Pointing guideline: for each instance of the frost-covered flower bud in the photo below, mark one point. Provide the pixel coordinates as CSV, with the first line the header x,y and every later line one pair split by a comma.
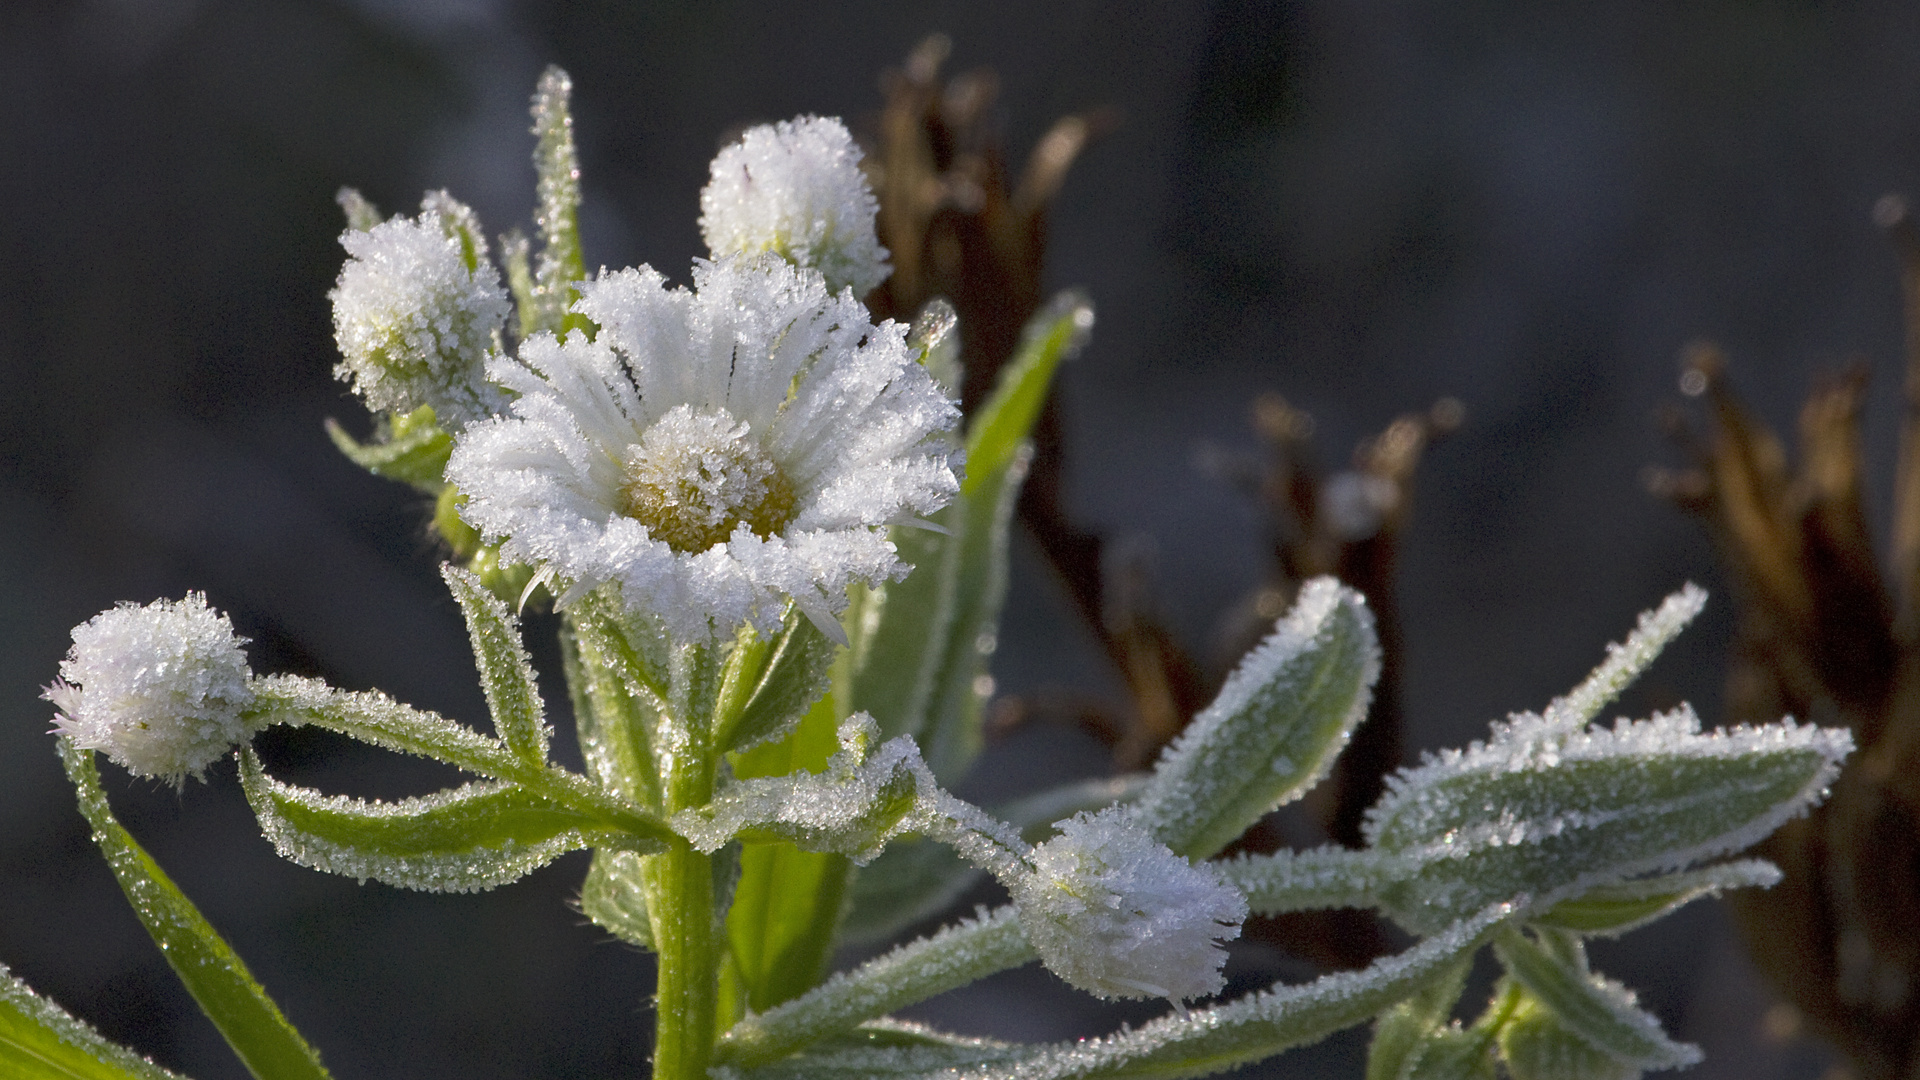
x,y
795,188
159,688
416,312
1119,915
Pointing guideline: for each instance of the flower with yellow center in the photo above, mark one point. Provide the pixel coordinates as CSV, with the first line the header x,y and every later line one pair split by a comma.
x,y
713,451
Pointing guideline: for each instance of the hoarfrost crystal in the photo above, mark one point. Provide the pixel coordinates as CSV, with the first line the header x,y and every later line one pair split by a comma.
x,y
416,311
160,688
712,451
1121,916
795,188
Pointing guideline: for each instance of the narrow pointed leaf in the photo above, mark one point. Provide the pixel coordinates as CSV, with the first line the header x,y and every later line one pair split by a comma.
x,y
41,1041
557,211
922,646
1274,729
780,929
1599,1010
1317,879
794,675
465,839
1200,1042
957,955
207,966
506,671
1612,910
1598,807
1627,660
881,1049
414,452
1537,1045
616,727
614,897
1400,1033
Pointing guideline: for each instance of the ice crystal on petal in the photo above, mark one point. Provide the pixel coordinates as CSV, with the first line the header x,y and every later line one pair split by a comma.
x,y
712,451
416,312
159,688
795,188
1119,915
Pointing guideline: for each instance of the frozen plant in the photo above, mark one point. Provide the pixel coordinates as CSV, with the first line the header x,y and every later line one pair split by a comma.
x,y
775,559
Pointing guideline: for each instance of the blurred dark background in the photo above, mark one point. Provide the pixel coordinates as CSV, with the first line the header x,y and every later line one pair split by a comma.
x,y
1529,206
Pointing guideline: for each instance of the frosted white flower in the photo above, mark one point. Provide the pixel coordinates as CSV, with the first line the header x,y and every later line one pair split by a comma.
x,y
795,188
1121,916
416,312
159,688
713,451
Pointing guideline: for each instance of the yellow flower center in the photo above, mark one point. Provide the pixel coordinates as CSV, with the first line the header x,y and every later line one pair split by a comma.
x,y
694,477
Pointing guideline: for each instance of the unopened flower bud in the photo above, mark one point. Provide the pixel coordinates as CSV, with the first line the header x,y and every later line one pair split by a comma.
x,y
416,312
160,688
1121,916
795,188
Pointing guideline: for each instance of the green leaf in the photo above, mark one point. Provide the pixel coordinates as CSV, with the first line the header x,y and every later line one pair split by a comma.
x,y
461,840
615,728
1555,816
207,966
1598,1010
1275,728
957,955
506,671
1400,1033
414,451
1612,910
1537,1045
995,433
888,1048
921,646
41,1041
793,675
1316,879
780,929
615,898
557,212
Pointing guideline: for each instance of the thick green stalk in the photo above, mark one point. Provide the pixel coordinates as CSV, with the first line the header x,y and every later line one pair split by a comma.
x,y
680,904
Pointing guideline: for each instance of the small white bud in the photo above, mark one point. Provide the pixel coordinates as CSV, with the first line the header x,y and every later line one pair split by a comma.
x,y
795,188
1121,916
416,312
159,688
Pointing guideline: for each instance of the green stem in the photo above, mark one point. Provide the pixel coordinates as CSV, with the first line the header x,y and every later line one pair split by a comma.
x,y
680,898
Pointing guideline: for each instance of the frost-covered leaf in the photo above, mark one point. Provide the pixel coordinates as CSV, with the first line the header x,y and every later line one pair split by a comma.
x,y
1600,1011
614,897
1402,1033
880,1049
557,212
615,727
1199,1042
1451,1053
1536,1045
1323,877
853,808
41,1041
790,678
1275,727
207,966
957,955
780,927
1627,660
1612,910
461,840
921,646
506,671
377,719
1555,817
415,450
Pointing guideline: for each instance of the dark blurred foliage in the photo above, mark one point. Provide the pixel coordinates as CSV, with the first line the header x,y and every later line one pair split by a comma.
x,y
1365,208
